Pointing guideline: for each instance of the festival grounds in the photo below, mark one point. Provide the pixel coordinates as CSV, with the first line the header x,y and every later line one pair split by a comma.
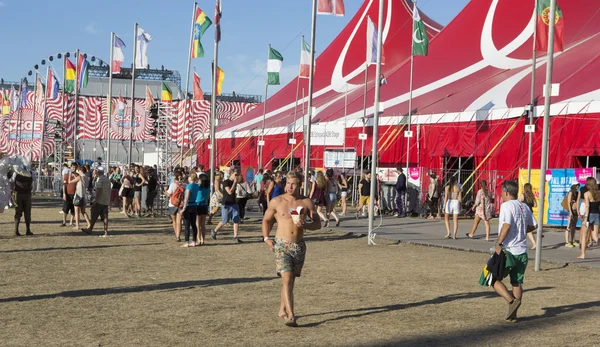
x,y
138,288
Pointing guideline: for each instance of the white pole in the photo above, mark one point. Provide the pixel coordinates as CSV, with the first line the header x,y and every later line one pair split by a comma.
x,y
33,120
310,92
76,104
262,137
64,100
109,98
375,125
213,108
412,65
43,133
545,137
532,107
132,116
296,111
187,86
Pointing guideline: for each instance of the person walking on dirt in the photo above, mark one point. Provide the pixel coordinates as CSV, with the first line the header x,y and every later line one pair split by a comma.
x,y
400,189
101,201
515,221
22,185
229,210
290,211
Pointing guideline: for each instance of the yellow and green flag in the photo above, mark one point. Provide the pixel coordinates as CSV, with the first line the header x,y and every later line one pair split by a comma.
x,y
166,94
201,23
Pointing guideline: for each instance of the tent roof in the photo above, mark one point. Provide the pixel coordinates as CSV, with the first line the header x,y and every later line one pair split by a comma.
x,y
480,62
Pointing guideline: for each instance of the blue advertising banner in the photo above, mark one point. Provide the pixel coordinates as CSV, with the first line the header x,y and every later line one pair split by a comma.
x,y
559,185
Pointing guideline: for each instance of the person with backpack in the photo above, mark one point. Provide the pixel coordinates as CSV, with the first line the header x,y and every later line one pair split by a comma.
x,y
175,193
189,210
230,209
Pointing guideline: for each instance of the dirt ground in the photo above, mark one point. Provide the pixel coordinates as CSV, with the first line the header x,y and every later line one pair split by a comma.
x,y
138,288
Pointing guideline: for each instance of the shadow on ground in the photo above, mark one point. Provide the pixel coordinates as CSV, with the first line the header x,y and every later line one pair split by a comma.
x,y
138,289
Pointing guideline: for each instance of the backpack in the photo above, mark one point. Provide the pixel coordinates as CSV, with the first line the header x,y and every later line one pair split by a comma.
x,y
565,203
177,196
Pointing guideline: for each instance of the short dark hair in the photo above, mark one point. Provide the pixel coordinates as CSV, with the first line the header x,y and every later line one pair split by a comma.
x,y
511,187
204,181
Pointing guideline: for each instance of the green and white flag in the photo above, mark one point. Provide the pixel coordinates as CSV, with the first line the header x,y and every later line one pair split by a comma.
x,y
420,38
273,67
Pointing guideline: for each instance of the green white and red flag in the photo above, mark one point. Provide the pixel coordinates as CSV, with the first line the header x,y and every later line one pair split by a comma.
x,y
543,27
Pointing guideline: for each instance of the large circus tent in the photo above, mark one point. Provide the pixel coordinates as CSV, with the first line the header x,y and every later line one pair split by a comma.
x,y
470,93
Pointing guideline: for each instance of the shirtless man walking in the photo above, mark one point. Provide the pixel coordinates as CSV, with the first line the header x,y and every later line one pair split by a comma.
x,y
289,246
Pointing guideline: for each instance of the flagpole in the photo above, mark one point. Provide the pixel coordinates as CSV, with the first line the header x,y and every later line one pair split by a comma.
x,y
345,125
262,137
545,136
412,65
109,98
374,153
531,104
310,93
213,106
20,121
364,120
44,115
187,85
132,117
76,104
35,87
64,99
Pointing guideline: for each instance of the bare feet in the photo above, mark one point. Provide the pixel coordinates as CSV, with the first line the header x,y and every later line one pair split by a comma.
x,y
581,257
185,245
469,235
291,322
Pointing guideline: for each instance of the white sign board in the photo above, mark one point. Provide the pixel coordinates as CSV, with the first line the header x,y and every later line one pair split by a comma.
x,y
408,133
362,136
261,143
530,128
327,134
555,89
340,159
292,141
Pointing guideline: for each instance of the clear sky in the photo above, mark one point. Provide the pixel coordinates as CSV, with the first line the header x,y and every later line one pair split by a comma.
x,y
35,29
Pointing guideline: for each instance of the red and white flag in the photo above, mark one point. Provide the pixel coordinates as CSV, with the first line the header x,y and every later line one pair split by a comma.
x,y
118,55
331,7
304,60
198,93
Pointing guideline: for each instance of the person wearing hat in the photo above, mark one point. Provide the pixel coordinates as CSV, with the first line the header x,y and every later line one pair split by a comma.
x,y
100,204
22,184
400,188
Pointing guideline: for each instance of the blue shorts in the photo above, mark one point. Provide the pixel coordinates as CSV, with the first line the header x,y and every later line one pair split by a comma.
x,y
230,212
594,219
331,198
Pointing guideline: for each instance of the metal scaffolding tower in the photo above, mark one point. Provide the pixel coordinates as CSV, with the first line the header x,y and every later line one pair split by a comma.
x,y
163,115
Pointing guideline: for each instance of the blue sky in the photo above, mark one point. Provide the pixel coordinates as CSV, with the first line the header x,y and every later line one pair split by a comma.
x,y
35,29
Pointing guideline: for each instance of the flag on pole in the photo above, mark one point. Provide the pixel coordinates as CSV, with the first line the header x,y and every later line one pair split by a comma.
x,y
167,94
198,93
118,56
543,27
70,76
23,93
201,23
420,38
274,66
372,44
149,98
121,106
39,89
5,102
218,15
83,72
52,84
331,7
220,79
141,59
14,105
304,60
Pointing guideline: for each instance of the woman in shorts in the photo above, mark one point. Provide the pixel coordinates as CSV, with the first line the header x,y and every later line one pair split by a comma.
x,y
592,220
452,201
483,210
343,185
528,199
331,198
202,199
81,193
318,195
215,198
127,193
140,181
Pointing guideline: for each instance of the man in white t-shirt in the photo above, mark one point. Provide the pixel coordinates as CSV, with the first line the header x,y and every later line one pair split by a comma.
x,y
515,221
174,210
